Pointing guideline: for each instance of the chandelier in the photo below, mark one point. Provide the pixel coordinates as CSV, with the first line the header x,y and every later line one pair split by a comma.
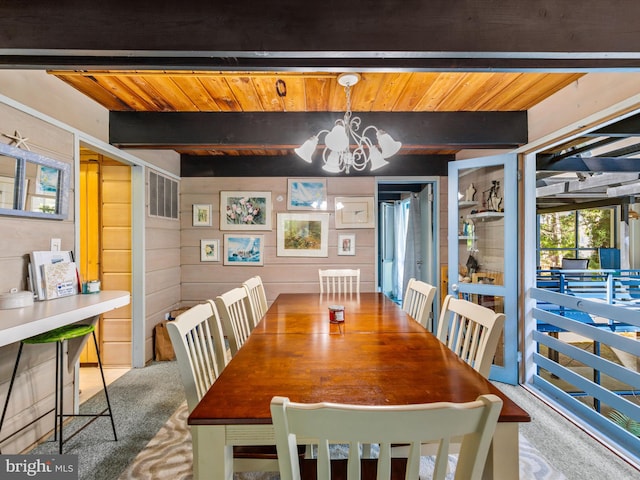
x,y
346,148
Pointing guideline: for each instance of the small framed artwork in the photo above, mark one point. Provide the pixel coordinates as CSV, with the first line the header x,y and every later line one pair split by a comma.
x,y
307,194
245,210
303,234
209,250
355,212
347,244
246,250
201,215
47,180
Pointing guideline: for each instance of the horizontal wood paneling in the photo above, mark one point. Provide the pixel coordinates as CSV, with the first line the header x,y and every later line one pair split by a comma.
x,y
203,280
34,387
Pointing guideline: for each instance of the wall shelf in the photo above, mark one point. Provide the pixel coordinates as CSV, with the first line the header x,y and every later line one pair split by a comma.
x,y
486,216
467,204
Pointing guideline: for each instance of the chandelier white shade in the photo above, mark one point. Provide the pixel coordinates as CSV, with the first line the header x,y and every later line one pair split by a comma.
x,y
345,148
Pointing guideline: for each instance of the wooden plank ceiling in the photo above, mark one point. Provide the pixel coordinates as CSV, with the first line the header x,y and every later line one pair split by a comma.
x,y
215,91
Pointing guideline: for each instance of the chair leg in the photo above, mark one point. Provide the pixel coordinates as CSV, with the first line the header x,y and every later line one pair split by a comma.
x,y
104,385
13,378
60,387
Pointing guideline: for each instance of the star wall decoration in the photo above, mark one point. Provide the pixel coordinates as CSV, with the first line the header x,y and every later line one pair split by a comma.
x,y
18,139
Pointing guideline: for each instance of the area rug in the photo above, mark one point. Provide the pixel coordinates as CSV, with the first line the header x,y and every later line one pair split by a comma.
x,y
168,456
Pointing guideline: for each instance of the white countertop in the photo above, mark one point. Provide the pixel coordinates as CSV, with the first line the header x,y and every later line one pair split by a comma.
x,y
16,324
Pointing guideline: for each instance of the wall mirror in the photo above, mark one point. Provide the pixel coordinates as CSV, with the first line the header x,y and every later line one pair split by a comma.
x,y
32,185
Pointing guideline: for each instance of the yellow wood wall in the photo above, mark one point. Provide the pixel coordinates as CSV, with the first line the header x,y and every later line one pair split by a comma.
x,y
105,239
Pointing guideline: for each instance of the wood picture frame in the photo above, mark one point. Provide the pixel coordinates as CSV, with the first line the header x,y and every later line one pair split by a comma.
x,y
355,212
201,215
245,210
347,244
307,194
303,235
210,250
244,250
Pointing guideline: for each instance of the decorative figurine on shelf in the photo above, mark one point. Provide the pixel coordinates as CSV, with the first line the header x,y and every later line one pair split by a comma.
x,y
494,202
470,193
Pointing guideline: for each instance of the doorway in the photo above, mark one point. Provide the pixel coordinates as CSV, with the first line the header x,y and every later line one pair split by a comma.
x,y
105,255
407,238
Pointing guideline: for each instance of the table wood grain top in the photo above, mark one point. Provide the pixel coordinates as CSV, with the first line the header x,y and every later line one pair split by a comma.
x,y
379,356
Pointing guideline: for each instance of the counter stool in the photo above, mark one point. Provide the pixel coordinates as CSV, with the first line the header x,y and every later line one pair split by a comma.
x,y
59,336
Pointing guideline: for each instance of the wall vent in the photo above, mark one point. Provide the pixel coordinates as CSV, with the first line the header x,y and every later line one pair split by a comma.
x,y
163,196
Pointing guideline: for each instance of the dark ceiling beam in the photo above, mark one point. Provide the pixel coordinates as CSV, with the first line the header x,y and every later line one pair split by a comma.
x,y
485,34
290,129
590,164
293,166
627,127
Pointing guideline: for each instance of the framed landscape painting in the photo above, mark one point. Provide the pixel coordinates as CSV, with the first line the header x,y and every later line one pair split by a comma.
x,y
303,234
307,194
245,210
246,250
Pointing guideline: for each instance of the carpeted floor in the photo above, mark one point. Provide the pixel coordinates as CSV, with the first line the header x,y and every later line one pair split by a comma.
x,y
154,441
142,400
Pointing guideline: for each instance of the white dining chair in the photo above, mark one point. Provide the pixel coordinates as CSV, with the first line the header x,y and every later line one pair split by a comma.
x,y
257,299
236,321
339,280
354,425
471,331
196,336
418,301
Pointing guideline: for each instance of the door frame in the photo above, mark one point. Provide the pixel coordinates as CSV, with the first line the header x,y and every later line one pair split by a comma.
x,y
435,182
138,312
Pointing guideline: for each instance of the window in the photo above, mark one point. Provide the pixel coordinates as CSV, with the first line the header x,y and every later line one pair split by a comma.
x,y
575,234
163,196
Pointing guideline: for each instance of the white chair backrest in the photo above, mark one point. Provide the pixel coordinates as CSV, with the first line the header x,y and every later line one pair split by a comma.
x,y
196,336
257,299
344,280
471,331
418,300
236,322
386,425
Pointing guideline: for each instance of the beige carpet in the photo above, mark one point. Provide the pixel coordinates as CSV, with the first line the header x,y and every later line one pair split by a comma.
x,y
168,456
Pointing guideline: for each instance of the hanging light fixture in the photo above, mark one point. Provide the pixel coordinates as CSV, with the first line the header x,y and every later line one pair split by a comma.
x,y
346,148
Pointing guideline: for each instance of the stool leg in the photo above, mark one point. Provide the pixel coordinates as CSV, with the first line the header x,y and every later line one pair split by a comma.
x,y
13,378
60,368
104,385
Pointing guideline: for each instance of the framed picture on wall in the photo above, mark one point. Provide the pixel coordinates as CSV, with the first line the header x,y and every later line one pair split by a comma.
x,y
245,210
303,234
209,250
307,194
355,212
245,250
201,215
347,244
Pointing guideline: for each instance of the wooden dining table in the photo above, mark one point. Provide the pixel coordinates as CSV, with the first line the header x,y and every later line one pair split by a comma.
x,y
377,356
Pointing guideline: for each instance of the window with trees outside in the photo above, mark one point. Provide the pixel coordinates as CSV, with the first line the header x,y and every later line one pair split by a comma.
x,y
575,234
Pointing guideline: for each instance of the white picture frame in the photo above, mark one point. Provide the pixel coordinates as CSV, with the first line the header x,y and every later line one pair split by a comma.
x,y
347,244
201,215
210,250
303,235
245,210
307,194
354,212
243,250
